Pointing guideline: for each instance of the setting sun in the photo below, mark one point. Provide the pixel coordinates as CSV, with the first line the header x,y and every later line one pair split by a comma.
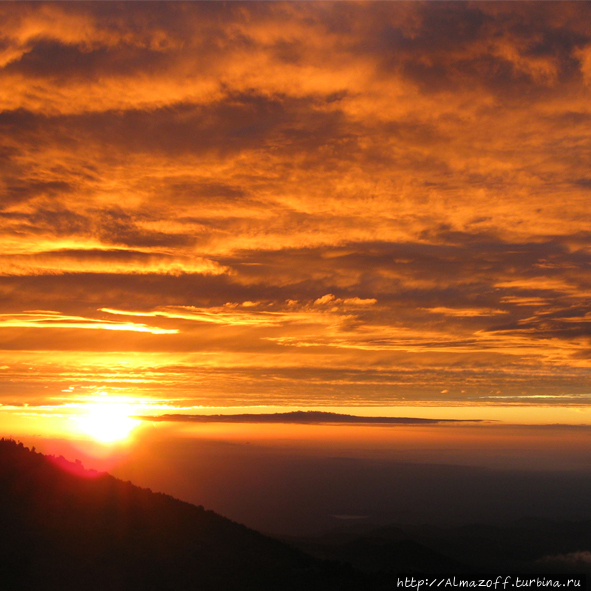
x,y
108,422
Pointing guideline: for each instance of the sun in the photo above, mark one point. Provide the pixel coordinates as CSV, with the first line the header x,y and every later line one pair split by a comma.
x,y
107,422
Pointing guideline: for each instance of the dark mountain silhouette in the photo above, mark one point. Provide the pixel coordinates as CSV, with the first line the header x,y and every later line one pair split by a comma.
x,y
301,417
64,527
379,555
527,546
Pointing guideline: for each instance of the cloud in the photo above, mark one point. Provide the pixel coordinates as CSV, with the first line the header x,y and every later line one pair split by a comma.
x,y
465,312
245,314
51,319
353,187
298,417
105,261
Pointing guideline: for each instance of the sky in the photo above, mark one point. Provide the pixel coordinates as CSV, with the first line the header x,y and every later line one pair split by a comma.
x,y
296,205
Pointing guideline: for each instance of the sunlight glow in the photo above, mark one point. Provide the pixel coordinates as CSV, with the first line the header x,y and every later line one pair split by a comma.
x,y
108,422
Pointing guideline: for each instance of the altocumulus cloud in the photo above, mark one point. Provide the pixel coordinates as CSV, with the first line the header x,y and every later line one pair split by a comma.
x,y
355,201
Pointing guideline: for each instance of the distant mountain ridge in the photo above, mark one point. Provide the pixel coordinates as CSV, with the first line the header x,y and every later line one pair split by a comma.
x,y
64,527
526,546
300,417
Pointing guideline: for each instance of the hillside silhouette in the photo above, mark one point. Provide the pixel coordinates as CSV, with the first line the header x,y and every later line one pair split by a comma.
x,y
64,527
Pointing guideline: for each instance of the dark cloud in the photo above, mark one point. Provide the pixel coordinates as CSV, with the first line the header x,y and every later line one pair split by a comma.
x,y
18,191
298,417
118,227
58,221
196,191
66,62
111,226
236,123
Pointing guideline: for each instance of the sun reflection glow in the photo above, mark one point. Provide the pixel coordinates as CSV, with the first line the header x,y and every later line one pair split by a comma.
x,y
108,422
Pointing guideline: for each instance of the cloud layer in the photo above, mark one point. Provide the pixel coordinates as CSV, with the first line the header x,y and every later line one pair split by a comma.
x,y
304,202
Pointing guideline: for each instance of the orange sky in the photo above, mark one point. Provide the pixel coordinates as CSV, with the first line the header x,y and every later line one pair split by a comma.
x,y
303,204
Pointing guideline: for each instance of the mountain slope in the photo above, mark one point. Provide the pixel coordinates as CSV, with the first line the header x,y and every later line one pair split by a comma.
x,y
63,527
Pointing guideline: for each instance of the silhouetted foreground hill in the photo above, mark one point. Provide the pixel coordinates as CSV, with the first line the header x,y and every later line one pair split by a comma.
x,y
63,527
